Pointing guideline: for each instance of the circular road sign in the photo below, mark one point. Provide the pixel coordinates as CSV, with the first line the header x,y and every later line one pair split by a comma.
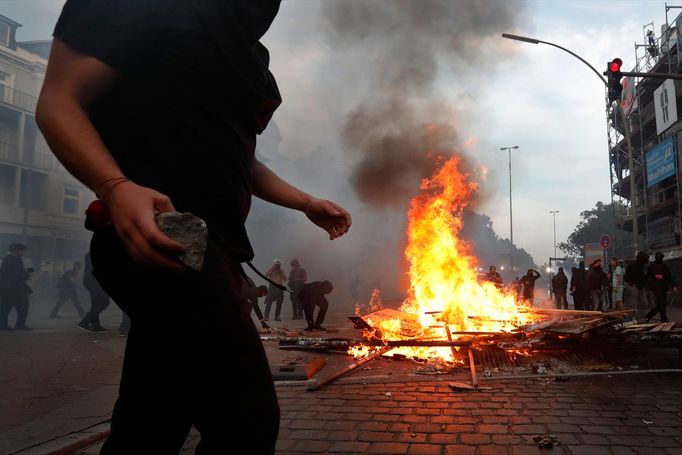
x,y
605,241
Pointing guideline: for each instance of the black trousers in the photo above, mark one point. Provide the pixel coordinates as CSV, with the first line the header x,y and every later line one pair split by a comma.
x,y
99,301
296,306
276,295
64,295
309,310
193,357
19,303
660,301
560,298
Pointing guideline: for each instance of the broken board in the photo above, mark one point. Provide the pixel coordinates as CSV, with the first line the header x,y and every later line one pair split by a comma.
x,y
467,386
297,368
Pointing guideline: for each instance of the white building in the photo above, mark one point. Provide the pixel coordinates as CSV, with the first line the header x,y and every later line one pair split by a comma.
x,y
41,204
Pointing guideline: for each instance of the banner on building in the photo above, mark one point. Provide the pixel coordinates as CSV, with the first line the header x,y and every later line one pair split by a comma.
x,y
660,162
665,102
629,101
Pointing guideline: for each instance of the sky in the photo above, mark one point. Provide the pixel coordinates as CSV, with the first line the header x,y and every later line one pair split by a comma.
x,y
360,80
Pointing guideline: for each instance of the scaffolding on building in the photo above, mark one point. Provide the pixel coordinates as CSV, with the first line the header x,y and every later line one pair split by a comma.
x,y
658,206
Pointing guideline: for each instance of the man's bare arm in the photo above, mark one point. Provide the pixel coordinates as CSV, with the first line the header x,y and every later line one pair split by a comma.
x,y
270,187
73,81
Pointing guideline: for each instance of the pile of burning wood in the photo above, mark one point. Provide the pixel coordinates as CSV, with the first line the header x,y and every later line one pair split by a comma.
x,y
553,330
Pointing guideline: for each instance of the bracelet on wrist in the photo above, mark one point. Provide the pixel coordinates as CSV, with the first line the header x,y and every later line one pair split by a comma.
x,y
106,190
99,188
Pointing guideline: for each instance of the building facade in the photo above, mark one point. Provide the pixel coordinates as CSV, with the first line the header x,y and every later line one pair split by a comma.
x,y
650,106
41,204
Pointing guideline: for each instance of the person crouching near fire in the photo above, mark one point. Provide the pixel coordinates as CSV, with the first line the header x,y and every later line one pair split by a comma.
x,y
312,295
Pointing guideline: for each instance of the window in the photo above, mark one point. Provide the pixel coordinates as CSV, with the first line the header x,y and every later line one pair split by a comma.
x,y
5,86
4,34
71,201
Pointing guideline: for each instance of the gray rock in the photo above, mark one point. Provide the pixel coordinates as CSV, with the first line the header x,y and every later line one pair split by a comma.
x,y
189,230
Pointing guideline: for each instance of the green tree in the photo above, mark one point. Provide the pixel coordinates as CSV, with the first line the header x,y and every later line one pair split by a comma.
x,y
593,224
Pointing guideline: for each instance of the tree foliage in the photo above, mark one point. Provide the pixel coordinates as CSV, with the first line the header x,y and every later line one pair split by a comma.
x,y
489,248
593,224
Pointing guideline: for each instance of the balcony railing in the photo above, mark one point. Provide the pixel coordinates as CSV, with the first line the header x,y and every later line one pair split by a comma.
x,y
18,99
45,161
9,152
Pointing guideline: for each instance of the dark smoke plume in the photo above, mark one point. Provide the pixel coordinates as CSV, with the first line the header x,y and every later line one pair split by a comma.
x,y
405,45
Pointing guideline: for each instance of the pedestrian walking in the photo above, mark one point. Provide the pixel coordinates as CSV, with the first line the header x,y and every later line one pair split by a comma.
x,y
596,281
579,287
659,280
528,283
14,290
559,287
99,299
617,283
275,274
313,295
124,325
155,105
68,291
297,279
636,280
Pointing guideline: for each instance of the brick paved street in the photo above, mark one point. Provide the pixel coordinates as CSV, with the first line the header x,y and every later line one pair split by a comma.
x,y
58,381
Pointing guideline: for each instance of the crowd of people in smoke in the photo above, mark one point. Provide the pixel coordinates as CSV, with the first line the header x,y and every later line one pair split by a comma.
x,y
304,296
15,293
642,285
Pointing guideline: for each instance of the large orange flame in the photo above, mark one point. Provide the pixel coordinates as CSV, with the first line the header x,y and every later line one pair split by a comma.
x,y
445,290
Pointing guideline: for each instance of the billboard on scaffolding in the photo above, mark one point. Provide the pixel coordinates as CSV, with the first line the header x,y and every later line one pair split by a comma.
x,y
629,101
665,102
660,162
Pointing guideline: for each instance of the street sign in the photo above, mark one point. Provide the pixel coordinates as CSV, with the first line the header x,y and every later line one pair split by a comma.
x,y
605,241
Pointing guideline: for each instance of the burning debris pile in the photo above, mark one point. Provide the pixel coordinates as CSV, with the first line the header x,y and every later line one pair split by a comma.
x,y
452,317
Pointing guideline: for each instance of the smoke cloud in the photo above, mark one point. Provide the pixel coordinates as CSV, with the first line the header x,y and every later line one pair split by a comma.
x,y
401,122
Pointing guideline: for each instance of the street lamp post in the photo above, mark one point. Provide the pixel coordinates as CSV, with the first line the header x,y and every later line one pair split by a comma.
x,y
554,212
511,224
626,129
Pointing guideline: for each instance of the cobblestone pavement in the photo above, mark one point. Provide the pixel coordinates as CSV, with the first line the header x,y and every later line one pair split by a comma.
x,y
57,381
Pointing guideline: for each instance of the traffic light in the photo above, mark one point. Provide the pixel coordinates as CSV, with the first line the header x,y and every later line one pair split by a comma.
x,y
614,77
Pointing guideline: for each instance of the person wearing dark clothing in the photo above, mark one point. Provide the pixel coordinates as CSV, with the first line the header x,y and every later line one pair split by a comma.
x,y
636,280
276,275
517,287
579,287
313,295
297,279
596,281
68,291
99,299
155,105
528,282
14,291
250,295
124,325
494,276
659,279
559,287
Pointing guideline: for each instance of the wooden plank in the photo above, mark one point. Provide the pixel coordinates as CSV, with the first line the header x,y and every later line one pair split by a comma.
x,y
558,312
472,366
663,327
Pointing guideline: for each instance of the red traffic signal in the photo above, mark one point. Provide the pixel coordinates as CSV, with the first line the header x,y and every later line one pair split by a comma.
x,y
615,88
615,65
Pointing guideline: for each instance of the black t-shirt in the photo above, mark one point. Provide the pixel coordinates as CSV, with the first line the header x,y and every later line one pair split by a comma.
x,y
194,90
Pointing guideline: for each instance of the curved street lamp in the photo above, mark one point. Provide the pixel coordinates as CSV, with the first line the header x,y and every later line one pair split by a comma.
x,y
626,130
